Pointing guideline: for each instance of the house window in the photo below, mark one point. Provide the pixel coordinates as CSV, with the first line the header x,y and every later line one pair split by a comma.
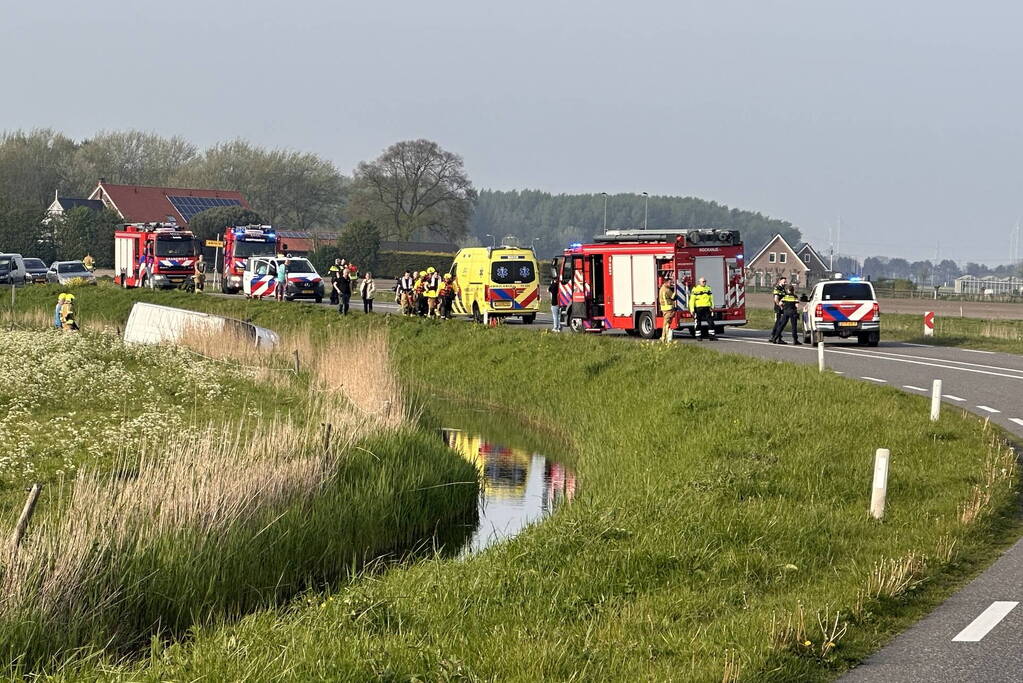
x,y
770,257
806,258
781,257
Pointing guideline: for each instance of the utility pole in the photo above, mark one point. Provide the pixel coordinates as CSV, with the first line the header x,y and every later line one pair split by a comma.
x,y
605,210
646,207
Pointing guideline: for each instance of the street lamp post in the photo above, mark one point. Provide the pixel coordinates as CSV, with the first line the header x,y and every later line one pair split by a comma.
x,y
493,241
605,210
533,242
646,207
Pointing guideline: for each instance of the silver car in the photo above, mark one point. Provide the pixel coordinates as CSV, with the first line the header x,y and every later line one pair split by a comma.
x,y
62,272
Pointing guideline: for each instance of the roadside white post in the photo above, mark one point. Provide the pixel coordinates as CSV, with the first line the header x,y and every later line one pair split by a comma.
x,y
880,489
935,400
820,356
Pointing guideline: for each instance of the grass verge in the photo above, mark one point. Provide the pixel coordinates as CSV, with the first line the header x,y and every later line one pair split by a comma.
x,y
720,531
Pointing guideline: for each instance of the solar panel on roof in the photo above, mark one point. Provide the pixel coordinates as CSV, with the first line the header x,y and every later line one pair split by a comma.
x,y
189,206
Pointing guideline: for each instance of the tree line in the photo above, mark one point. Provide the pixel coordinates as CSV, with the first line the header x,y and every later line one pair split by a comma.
x,y
921,273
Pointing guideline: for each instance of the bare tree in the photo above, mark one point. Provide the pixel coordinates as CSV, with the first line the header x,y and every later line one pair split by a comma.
x,y
413,188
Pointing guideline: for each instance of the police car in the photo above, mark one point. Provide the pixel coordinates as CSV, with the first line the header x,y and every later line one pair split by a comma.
x,y
842,308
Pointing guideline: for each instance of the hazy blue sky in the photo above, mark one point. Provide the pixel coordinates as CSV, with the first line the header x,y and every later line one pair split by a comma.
x,y
902,117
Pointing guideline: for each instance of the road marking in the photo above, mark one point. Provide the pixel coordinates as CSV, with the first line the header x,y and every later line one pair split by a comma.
x,y
950,397
987,620
1016,420
838,372
926,346
989,409
977,351
910,386
875,379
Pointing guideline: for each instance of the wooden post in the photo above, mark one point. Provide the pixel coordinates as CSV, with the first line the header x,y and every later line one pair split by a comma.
x,y
879,491
298,365
26,515
328,429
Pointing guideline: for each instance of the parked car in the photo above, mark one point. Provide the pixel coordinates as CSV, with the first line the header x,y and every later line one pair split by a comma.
x,y
35,271
12,269
62,272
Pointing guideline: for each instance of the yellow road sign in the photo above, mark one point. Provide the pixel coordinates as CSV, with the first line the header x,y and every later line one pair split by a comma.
x,y
214,243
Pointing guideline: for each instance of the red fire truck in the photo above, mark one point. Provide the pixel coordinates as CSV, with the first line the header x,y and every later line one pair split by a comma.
x,y
241,243
613,284
154,255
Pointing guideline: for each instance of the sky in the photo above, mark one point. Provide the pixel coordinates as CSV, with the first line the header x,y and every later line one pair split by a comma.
x,y
899,120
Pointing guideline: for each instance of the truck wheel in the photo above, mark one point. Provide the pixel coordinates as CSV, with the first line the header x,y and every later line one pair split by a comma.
x,y
477,317
645,325
529,319
576,325
319,299
873,339
862,339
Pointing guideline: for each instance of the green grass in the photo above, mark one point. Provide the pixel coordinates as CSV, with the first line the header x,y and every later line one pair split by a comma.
x,y
720,498
967,333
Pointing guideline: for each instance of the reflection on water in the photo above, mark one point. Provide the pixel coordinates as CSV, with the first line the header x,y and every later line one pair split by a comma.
x,y
518,487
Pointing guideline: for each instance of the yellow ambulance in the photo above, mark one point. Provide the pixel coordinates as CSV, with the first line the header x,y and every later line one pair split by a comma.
x,y
497,282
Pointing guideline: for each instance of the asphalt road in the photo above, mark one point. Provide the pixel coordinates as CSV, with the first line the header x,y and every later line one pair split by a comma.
x,y
977,634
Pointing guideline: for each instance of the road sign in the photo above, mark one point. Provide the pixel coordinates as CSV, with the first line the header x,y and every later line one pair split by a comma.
x,y
215,243
929,324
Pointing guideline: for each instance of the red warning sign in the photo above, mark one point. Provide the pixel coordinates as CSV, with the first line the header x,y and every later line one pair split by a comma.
x,y
929,323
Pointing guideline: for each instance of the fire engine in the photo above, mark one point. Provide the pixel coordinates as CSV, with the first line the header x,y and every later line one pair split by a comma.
x,y
240,244
153,255
613,284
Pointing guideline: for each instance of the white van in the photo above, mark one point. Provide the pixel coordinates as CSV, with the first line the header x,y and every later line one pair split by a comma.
x,y
12,270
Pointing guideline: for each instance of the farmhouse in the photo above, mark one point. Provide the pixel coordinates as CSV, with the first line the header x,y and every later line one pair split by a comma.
x,y
775,260
176,205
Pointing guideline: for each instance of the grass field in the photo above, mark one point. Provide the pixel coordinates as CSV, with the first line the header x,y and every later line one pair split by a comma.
x,y
184,490
714,536
969,333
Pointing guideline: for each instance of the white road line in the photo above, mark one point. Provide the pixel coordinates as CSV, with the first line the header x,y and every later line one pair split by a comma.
x,y
910,386
926,346
1016,420
875,379
838,372
989,409
950,397
977,351
987,620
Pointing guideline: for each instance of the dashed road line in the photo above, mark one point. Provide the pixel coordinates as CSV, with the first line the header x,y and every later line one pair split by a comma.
x,y
910,386
991,353
989,409
987,620
875,379
950,397
1016,420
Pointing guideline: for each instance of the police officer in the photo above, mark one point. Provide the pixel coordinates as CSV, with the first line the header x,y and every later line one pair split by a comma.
x,y
789,311
335,272
666,301
776,294
701,301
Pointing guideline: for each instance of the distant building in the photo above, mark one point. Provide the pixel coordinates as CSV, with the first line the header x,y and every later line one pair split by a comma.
x,y
973,284
813,260
61,205
303,242
177,205
775,260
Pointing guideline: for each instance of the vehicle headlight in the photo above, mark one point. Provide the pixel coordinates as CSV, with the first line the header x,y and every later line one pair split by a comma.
x,y
236,278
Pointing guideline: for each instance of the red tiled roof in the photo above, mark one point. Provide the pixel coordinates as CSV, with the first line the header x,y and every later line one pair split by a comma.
x,y
144,204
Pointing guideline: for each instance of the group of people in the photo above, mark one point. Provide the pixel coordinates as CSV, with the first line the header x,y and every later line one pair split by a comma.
x,y
344,281
426,293
700,303
64,318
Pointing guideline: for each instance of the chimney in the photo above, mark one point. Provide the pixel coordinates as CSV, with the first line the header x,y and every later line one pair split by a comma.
x,y
102,180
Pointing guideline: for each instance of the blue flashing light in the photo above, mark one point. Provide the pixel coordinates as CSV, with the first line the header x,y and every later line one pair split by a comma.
x,y
740,257
855,278
575,246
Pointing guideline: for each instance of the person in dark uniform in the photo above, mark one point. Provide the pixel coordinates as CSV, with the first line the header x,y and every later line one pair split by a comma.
x,y
776,295
789,312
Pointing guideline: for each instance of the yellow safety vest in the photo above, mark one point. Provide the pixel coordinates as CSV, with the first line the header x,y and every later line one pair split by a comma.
x,y
667,298
701,297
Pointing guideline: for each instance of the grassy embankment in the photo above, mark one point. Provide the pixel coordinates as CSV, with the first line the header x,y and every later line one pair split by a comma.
x,y
720,530
188,491
967,333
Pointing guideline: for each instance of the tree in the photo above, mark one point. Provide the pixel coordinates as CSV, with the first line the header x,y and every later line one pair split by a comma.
x,y
210,224
22,231
359,243
293,189
81,230
414,188
132,157
33,165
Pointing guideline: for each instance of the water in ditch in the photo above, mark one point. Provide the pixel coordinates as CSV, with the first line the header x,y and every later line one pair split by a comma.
x,y
520,485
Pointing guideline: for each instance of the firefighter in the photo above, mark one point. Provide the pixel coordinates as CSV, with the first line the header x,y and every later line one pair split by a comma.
x,y
419,289
67,314
89,262
446,295
701,301
666,298
199,275
431,291
789,312
405,285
